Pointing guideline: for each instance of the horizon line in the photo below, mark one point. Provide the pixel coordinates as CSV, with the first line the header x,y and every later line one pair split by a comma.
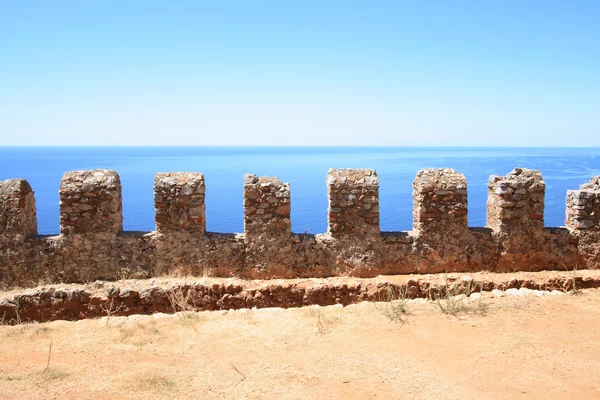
x,y
291,146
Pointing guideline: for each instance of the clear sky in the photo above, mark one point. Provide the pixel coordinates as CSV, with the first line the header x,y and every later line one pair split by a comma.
x,y
325,72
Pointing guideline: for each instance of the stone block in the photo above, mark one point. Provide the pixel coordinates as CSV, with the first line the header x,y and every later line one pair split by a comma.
x,y
90,202
583,206
516,202
179,202
353,203
440,202
17,209
266,207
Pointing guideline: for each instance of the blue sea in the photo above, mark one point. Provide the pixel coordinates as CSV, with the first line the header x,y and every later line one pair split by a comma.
x,y
304,167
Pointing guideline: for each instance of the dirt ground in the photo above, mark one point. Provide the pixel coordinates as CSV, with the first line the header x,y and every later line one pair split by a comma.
x,y
499,347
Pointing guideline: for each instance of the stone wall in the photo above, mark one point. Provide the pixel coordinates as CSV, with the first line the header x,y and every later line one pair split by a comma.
x,y
440,216
583,219
91,244
90,202
353,203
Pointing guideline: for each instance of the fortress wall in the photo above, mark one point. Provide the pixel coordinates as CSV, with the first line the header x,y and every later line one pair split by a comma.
x,y
90,202
267,227
179,202
17,210
583,220
440,218
515,212
353,203
92,246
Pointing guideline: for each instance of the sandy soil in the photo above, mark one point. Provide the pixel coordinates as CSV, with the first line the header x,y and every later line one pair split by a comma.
x,y
508,347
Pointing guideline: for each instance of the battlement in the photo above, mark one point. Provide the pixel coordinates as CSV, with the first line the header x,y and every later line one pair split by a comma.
x,y
92,245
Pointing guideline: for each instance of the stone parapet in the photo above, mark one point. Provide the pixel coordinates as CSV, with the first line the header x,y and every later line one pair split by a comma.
x,y
17,209
440,218
583,206
92,246
440,202
90,202
515,212
516,201
179,202
267,226
353,203
266,207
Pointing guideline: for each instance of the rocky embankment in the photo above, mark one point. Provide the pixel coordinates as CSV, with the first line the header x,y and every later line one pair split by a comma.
x,y
170,295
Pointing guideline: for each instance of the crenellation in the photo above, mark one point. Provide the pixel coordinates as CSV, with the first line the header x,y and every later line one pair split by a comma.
x,y
179,202
583,220
515,212
583,206
516,201
267,207
353,203
267,226
90,202
92,246
17,209
440,218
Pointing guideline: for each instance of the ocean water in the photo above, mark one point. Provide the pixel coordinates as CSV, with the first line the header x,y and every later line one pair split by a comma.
x,y
304,167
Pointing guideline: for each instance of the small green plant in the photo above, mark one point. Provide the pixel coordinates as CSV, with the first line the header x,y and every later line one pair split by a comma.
x,y
395,305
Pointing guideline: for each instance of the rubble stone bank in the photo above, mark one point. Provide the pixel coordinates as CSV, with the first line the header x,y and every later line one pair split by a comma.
x,y
171,295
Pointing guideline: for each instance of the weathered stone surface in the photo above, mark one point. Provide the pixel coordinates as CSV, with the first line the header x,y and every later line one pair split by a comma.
x,y
440,218
266,207
515,212
91,245
179,202
583,219
90,202
75,302
267,226
17,209
353,203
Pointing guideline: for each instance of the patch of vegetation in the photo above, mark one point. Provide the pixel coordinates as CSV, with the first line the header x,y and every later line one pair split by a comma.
x,y
184,305
395,306
139,334
453,299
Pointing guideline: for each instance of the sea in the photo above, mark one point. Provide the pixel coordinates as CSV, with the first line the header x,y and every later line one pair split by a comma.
x,y
306,170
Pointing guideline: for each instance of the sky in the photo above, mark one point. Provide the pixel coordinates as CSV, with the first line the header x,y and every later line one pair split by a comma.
x,y
359,73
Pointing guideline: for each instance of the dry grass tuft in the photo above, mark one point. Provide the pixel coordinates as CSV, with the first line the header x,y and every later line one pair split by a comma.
x,y
184,305
324,323
140,333
153,381
453,299
395,306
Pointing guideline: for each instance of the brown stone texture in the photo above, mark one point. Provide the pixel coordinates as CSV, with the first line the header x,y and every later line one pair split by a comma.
x,y
440,218
353,203
515,212
92,246
76,301
583,219
266,206
90,202
267,225
17,209
179,202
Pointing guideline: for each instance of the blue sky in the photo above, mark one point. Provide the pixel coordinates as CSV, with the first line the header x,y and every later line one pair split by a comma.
x,y
459,73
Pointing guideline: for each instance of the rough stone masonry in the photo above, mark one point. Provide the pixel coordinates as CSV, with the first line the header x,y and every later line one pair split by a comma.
x,y
92,245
